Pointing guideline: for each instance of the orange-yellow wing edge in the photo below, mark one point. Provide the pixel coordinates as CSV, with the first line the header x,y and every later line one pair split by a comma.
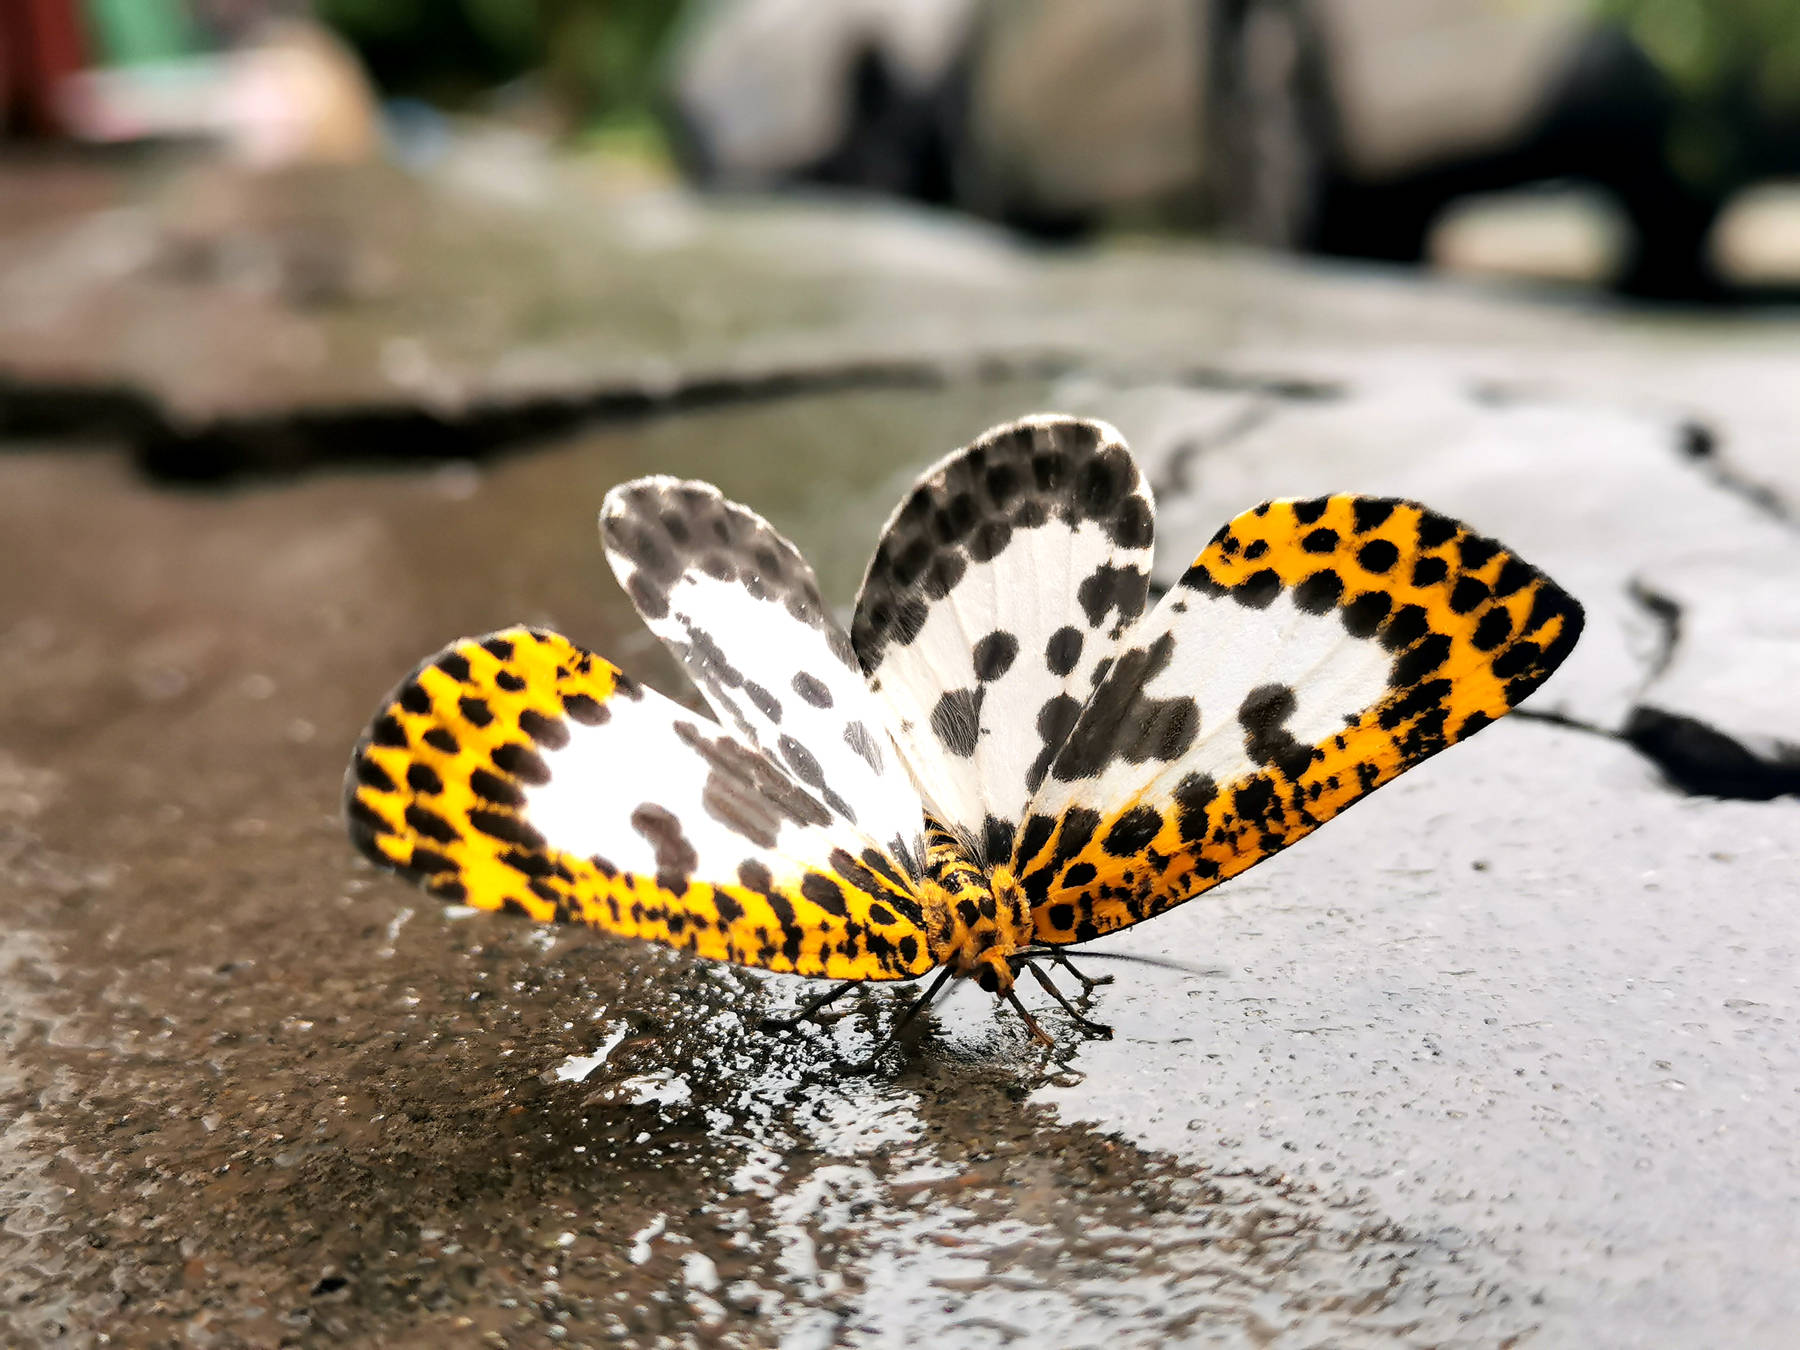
x,y
518,772
1315,650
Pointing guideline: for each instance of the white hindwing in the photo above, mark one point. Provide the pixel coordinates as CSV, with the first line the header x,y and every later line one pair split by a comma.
x,y
998,590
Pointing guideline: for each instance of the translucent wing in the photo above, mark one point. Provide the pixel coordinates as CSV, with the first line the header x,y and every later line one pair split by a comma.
x,y
997,590
740,607
519,772
1314,650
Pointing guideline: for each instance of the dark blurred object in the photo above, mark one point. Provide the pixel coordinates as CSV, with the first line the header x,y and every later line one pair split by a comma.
x,y
42,42
1339,126
597,58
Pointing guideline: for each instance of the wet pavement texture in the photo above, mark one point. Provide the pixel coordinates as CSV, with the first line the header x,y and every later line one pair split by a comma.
x,y
1506,1057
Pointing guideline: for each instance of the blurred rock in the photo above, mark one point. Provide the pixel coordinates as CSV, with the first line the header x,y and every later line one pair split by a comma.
x,y
1569,235
294,95
1757,240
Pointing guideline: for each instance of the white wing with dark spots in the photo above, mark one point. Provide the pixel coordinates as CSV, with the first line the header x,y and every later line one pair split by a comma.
x,y
740,607
998,591
1315,650
518,772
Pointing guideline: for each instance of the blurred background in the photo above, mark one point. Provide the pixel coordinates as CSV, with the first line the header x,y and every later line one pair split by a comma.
x,y
1648,146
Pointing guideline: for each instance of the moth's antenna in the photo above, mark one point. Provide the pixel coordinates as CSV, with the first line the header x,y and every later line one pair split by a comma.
x,y
1163,962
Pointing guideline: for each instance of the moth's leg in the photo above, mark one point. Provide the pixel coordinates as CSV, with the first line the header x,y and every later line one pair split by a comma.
x,y
918,1006
1088,983
1086,1024
1038,1034
810,1011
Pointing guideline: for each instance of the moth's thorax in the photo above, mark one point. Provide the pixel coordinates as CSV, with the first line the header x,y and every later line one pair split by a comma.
x,y
975,918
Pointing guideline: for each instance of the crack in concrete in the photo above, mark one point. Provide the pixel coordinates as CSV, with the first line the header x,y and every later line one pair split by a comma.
x,y
1703,761
1666,613
289,441
1692,755
1696,441
1176,476
1699,444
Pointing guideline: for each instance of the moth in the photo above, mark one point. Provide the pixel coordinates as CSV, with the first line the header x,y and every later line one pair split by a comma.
x,y
1009,752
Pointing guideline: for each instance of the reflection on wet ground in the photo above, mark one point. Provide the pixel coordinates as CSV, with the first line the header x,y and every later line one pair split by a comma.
x,y
260,1093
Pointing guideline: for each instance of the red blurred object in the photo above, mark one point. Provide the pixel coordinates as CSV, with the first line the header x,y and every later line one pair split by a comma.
x,y
42,42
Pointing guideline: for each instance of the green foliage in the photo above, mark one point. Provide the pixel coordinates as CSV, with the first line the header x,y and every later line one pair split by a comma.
x,y
598,56
1735,66
1714,49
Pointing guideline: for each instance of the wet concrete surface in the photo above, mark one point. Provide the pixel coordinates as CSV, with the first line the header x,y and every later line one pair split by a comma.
x,y
1506,1057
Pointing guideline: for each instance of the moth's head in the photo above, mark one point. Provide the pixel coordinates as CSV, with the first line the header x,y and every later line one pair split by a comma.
x,y
977,919
993,972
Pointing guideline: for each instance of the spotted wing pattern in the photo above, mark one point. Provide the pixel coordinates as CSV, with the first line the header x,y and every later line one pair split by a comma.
x,y
1314,650
741,609
518,772
997,592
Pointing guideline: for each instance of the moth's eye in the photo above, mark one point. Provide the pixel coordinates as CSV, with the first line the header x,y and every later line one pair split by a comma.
x,y
987,980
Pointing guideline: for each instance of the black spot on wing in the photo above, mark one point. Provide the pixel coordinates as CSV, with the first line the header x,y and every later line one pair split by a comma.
x,y
956,721
1320,591
508,829
1109,588
861,740
996,841
812,689
745,792
825,893
1263,715
1055,720
521,762
388,732
587,711
994,655
675,856
1494,628
1258,590
1063,650
765,702
548,732
1133,832
492,787
1468,594
1429,570
423,779
371,774
443,740
1123,721
1363,615
1193,795
1404,627
1377,556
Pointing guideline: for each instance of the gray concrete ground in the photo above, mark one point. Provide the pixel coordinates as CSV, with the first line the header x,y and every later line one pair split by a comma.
x,y
1506,1057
